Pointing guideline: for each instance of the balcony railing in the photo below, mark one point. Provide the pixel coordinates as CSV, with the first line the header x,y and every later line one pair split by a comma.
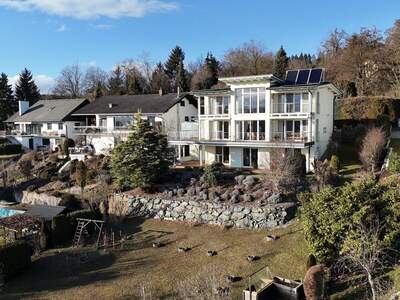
x,y
220,135
282,108
183,135
296,137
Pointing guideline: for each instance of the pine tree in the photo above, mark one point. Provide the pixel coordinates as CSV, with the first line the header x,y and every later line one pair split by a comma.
x,y
26,89
212,68
7,103
281,63
116,82
6,92
142,158
175,69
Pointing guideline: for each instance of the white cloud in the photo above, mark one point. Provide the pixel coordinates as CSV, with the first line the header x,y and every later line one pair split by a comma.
x,y
89,9
45,83
61,28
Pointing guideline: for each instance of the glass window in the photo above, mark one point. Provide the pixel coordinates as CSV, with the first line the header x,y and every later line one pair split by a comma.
x,y
123,121
239,127
202,107
261,100
253,101
226,104
261,130
219,105
304,101
253,135
238,100
222,154
250,157
289,103
186,119
183,103
246,104
60,126
247,132
225,155
49,126
297,102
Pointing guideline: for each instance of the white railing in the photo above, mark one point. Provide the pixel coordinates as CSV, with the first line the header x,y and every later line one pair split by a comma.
x,y
283,108
220,135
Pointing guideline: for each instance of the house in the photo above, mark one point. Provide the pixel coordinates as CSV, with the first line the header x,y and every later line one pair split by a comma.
x,y
240,125
44,124
108,120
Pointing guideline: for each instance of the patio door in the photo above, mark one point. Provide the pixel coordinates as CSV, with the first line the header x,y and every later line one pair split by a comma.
x,y
293,130
250,157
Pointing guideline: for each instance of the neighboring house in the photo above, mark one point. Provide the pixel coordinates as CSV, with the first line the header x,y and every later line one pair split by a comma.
x,y
44,124
240,125
108,120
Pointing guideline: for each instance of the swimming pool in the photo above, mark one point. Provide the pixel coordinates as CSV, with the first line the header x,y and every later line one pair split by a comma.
x,y
7,212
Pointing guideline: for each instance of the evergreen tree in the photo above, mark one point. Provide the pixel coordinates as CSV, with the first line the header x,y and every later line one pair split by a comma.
x,y
26,89
7,103
281,63
212,67
142,158
175,70
6,92
182,78
116,82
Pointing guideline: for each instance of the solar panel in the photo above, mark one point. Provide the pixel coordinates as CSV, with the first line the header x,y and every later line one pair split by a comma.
x,y
315,76
303,77
291,76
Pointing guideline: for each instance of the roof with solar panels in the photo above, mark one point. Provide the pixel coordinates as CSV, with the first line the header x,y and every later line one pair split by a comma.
x,y
304,79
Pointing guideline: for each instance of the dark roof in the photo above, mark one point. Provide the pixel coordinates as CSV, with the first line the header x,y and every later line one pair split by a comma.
x,y
213,91
49,111
146,104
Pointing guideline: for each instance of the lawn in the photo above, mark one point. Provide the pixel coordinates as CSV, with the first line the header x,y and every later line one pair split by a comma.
x,y
349,161
122,273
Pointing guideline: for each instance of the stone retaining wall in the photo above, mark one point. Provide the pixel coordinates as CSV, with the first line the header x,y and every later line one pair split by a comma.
x,y
239,215
39,198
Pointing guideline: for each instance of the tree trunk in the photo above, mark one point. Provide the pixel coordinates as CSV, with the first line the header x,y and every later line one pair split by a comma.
x,y
372,286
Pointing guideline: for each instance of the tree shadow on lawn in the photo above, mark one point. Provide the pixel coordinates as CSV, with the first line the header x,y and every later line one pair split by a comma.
x,y
58,271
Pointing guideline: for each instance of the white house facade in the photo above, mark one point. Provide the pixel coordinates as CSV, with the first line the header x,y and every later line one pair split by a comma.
x,y
240,126
44,124
108,120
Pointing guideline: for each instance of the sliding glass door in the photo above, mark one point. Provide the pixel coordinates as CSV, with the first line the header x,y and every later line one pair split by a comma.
x,y
250,157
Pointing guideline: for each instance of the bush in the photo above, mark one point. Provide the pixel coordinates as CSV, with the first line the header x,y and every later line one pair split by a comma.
x,y
70,202
372,147
8,149
311,261
332,215
15,258
212,173
334,163
63,226
394,162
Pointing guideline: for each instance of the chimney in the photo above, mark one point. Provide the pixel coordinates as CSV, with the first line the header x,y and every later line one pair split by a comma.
x,y
110,105
178,91
23,106
160,92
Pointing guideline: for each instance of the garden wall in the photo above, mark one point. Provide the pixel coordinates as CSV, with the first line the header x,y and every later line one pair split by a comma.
x,y
236,215
39,198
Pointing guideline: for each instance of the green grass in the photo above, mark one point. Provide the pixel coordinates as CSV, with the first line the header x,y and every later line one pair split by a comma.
x,y
119,274
395,144
349,161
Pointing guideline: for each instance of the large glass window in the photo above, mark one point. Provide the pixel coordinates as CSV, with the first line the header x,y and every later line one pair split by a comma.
x,y
221,105
250,157
261,130
289,103
297,102
222,154
250,130
222,130
123,121
202,107
250,100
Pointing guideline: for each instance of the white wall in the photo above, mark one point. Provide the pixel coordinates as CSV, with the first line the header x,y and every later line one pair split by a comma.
x,y
175,116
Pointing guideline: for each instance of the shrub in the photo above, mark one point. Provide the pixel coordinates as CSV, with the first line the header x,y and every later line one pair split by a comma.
x,y
311,261
331,215
314,283
334,163
8,149
66,144
25,167
372,147
209,176
80,175
70,202
394,162
15,258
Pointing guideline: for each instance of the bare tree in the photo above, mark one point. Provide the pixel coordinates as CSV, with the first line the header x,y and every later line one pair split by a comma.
x,y
372,147
251,58
94,77
69,82
364,253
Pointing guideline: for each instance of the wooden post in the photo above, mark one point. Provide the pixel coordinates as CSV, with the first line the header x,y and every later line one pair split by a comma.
x,y
112,234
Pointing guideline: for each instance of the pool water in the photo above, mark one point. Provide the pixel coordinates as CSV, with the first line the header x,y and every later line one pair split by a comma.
x,y
7,212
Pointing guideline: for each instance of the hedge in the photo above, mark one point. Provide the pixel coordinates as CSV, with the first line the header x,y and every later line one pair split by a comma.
x,y
15,258
63,226
7,149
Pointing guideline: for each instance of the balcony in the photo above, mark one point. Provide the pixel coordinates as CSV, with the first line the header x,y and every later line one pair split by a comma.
x,y
290,137
183,135
279,109
53,133
102,131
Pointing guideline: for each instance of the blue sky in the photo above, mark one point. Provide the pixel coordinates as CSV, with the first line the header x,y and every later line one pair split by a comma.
x,y
46,36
